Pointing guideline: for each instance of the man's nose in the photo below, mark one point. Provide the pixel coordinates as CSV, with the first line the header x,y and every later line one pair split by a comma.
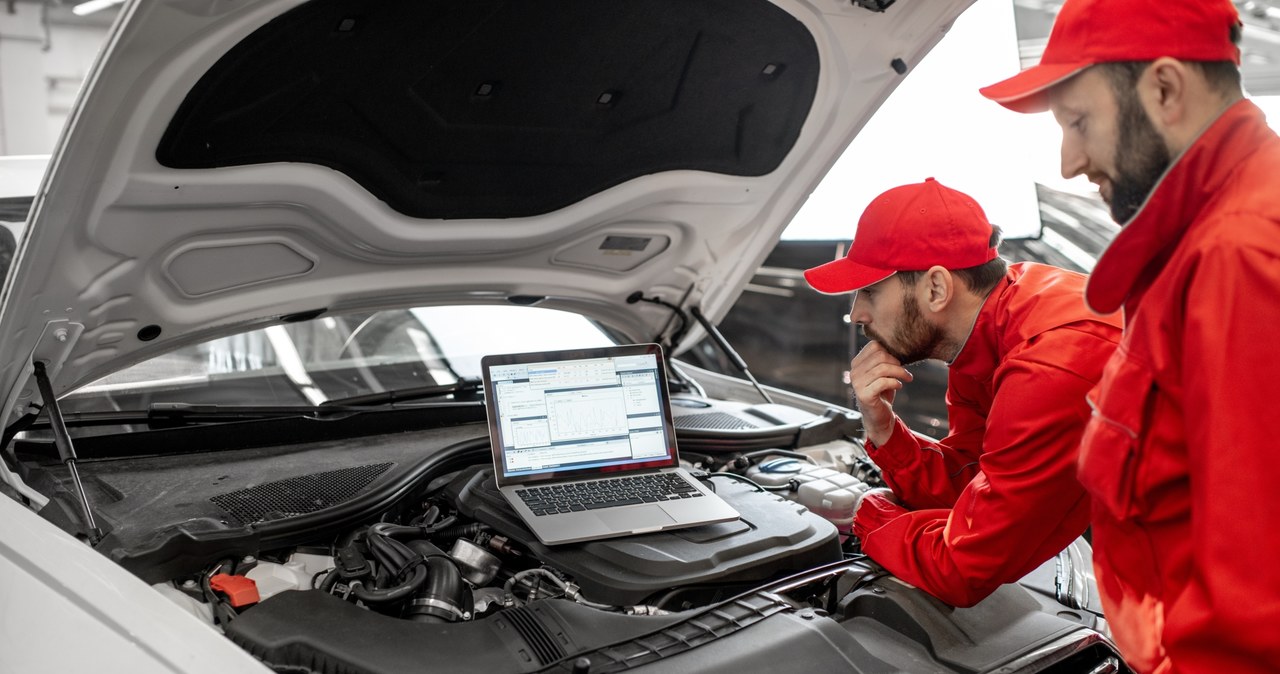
x,y
1074,159
858,313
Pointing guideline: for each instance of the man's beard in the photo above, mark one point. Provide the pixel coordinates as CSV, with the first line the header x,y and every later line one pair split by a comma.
x,y
914,340
1141,158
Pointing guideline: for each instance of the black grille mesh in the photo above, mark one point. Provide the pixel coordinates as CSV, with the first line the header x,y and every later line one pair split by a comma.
x,y
545,647
298,495
712,421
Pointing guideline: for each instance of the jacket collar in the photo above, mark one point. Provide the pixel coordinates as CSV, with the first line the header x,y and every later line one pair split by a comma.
x,y
1146,242
980,352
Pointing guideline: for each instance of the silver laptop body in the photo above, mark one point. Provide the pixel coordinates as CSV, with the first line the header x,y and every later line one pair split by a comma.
x,y
584,447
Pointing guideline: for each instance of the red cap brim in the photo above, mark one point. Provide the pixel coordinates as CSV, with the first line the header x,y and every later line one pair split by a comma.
x,y
844,275
1027,91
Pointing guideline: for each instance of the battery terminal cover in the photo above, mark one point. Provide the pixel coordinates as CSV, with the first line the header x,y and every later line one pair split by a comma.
x,y
239,590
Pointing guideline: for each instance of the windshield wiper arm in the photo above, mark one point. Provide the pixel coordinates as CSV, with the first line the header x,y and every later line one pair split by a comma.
x,y
201,413
464,385
209,411
171,413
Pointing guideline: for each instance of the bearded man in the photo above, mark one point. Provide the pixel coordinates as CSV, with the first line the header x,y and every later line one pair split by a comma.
x,y
1180,454
999,495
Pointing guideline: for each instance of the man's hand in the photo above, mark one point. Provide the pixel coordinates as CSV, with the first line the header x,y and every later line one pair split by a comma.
x,y
876,377
880,492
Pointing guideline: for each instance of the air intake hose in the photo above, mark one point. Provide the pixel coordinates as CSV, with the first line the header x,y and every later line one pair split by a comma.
x,y
444,597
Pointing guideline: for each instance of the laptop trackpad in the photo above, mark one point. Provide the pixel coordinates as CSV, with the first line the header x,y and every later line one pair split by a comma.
x,y
627,519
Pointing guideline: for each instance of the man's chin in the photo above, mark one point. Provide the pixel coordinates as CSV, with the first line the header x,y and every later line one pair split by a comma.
x,y
905,358
1123,211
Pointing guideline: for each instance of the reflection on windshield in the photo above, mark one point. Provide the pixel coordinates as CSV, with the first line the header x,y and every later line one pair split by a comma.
x,y
309,362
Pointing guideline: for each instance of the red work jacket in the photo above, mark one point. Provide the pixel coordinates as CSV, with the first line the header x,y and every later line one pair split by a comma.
x,y
998,496
1182,455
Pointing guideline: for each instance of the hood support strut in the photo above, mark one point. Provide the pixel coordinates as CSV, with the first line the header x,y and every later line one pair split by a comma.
x,y
723,343
66,450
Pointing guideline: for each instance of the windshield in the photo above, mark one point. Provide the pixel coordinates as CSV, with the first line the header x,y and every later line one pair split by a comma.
x,y
333,357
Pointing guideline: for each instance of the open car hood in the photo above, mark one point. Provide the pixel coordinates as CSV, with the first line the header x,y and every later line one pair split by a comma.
x,y
231,164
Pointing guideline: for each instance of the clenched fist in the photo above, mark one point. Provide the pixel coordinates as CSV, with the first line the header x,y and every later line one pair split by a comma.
x,y
876,377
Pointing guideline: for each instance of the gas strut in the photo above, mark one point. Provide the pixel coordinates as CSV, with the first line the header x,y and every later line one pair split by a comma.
x,y
721,342
62,440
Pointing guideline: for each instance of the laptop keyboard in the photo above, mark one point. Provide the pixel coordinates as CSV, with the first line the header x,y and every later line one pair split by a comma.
x,y
595,494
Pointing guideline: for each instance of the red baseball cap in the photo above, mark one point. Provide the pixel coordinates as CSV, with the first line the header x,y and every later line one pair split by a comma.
x,y
909,228
1088,32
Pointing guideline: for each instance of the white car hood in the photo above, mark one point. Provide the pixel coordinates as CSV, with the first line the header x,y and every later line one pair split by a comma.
x,y
231,164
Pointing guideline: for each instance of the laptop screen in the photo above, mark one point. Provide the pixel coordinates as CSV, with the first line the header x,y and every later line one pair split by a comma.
x,y
568,413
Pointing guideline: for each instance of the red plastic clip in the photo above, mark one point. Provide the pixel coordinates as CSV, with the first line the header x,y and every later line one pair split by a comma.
x,y
240,590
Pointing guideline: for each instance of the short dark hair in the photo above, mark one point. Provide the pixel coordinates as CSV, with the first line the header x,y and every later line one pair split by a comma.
x,y
981,279
1222,76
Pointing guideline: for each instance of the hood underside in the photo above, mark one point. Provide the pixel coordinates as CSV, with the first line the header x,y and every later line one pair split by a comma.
x,y
456,109
230,165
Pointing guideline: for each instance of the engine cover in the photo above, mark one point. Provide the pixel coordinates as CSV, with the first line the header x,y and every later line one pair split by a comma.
x,y
773,538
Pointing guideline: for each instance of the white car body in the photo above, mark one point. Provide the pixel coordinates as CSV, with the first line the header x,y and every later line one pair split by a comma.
x,y
126,258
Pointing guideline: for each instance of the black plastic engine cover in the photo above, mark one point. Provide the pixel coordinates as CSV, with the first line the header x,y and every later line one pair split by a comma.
x,y
310,631
774,537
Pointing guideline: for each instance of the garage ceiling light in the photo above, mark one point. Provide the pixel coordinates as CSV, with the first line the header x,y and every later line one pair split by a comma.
x,y
92,6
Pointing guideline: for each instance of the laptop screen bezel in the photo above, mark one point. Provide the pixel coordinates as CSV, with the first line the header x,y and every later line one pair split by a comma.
x,y
495,441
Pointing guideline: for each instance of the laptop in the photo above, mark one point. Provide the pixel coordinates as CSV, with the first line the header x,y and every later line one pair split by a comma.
x,y
584,447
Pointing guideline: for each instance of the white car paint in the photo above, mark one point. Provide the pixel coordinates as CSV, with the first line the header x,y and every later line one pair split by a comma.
x,y
119,242
66,608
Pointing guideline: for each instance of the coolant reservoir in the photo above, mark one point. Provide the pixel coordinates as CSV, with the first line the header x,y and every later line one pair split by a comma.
x,y
295,574
825,492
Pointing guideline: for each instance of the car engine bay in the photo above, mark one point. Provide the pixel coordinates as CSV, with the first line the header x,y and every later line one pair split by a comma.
x,y
394,551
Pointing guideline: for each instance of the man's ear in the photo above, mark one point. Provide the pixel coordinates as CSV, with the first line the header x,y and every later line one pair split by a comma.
x,y
937,288
1163,89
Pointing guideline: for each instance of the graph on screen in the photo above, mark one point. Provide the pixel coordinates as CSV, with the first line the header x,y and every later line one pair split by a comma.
x,y
583,415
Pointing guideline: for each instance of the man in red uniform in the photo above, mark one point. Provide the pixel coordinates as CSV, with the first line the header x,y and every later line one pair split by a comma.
x,y
999,495
1180,455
